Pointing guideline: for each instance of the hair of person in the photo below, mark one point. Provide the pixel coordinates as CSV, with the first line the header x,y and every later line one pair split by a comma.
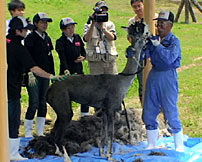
x,y
13,31
170,22
132,1
15,4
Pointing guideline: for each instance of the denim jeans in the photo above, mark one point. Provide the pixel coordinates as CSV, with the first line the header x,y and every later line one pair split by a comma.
x,y
84,108
140,80
37,99
14,112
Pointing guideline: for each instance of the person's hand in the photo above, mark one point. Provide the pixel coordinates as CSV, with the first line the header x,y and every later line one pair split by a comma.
x,y
79,59
31,79
66,72
155,42
100,25
57,78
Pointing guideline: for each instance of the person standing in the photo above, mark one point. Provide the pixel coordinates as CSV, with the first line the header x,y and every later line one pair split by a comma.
x,y
71,51
100,37
15,8
40,47
138,8
18,60
162,83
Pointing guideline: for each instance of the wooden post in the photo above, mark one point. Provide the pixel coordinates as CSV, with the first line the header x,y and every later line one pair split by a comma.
x,y
149,15
179,10
192,12
197,5
187,11
4,139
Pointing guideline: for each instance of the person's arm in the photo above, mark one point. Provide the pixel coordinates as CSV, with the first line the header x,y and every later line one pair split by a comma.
x,y
40,72
109,31
88,31
61,52
167,55
108,34
82,52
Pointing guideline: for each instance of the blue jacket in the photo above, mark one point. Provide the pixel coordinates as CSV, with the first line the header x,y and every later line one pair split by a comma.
x,y
165,56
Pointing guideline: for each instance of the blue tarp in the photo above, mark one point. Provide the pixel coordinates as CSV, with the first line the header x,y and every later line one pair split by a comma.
x,y
129,153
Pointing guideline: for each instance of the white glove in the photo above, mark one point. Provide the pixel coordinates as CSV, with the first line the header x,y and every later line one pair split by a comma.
x,y
66,72
57,78
31,80
155,42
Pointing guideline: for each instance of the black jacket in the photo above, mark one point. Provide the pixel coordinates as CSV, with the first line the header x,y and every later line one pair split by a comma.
x,y
40,50
18,60
68,52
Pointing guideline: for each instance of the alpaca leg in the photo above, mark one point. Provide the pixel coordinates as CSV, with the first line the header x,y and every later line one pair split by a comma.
x,y
65,155
103,134
63,109
64,120
110,122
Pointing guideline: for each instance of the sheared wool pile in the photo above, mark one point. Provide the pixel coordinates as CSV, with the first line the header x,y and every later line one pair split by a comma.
x,y
83,134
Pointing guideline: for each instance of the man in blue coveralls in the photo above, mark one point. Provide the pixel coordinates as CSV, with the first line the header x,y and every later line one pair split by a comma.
x,y
162,83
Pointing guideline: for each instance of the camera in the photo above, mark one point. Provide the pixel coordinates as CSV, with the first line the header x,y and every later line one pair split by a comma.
x,y
100,15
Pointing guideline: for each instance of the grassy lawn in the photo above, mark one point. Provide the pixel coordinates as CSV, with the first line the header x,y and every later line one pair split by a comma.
x,y
190,35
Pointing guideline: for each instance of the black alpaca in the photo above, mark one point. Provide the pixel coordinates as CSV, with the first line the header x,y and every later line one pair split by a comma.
x,y
105,91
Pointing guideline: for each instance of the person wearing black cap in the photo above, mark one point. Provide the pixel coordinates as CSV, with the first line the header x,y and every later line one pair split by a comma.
x,y
162,83
71,51
18,60
16,8
138,7
40,47
100,37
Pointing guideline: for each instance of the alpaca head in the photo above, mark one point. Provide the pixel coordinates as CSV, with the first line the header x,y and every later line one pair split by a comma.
x,y
138,34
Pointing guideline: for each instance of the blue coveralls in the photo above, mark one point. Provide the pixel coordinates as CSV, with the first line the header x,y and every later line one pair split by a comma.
x,y
162,84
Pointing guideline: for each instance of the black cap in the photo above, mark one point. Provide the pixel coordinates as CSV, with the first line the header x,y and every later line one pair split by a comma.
x,y
101,4
19,22
165,16
41,16
66,21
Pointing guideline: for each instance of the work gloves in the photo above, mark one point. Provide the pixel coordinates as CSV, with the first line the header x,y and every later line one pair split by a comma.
x,y
57,78
66,72
31,79
155,42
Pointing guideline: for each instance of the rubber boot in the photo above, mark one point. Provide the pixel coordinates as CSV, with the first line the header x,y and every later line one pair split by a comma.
x,y
28,128
14,147
40,123
152,137
179,142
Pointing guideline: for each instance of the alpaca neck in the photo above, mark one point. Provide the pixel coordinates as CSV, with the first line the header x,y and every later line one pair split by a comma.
x,y
131,66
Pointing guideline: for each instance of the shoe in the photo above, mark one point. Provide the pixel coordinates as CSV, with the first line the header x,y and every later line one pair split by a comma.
x,y
152,137
179,142
14,147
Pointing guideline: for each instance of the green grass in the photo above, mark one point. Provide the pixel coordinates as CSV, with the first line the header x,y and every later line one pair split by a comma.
x,y
190,35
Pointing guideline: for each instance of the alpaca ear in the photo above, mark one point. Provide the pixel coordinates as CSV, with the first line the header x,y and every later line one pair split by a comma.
x,y
124,28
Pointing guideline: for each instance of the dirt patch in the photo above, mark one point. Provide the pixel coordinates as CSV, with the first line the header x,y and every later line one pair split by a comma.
x,y
182,68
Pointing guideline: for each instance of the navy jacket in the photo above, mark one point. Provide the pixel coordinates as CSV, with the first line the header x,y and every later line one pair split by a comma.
x,y
68,52
41,51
